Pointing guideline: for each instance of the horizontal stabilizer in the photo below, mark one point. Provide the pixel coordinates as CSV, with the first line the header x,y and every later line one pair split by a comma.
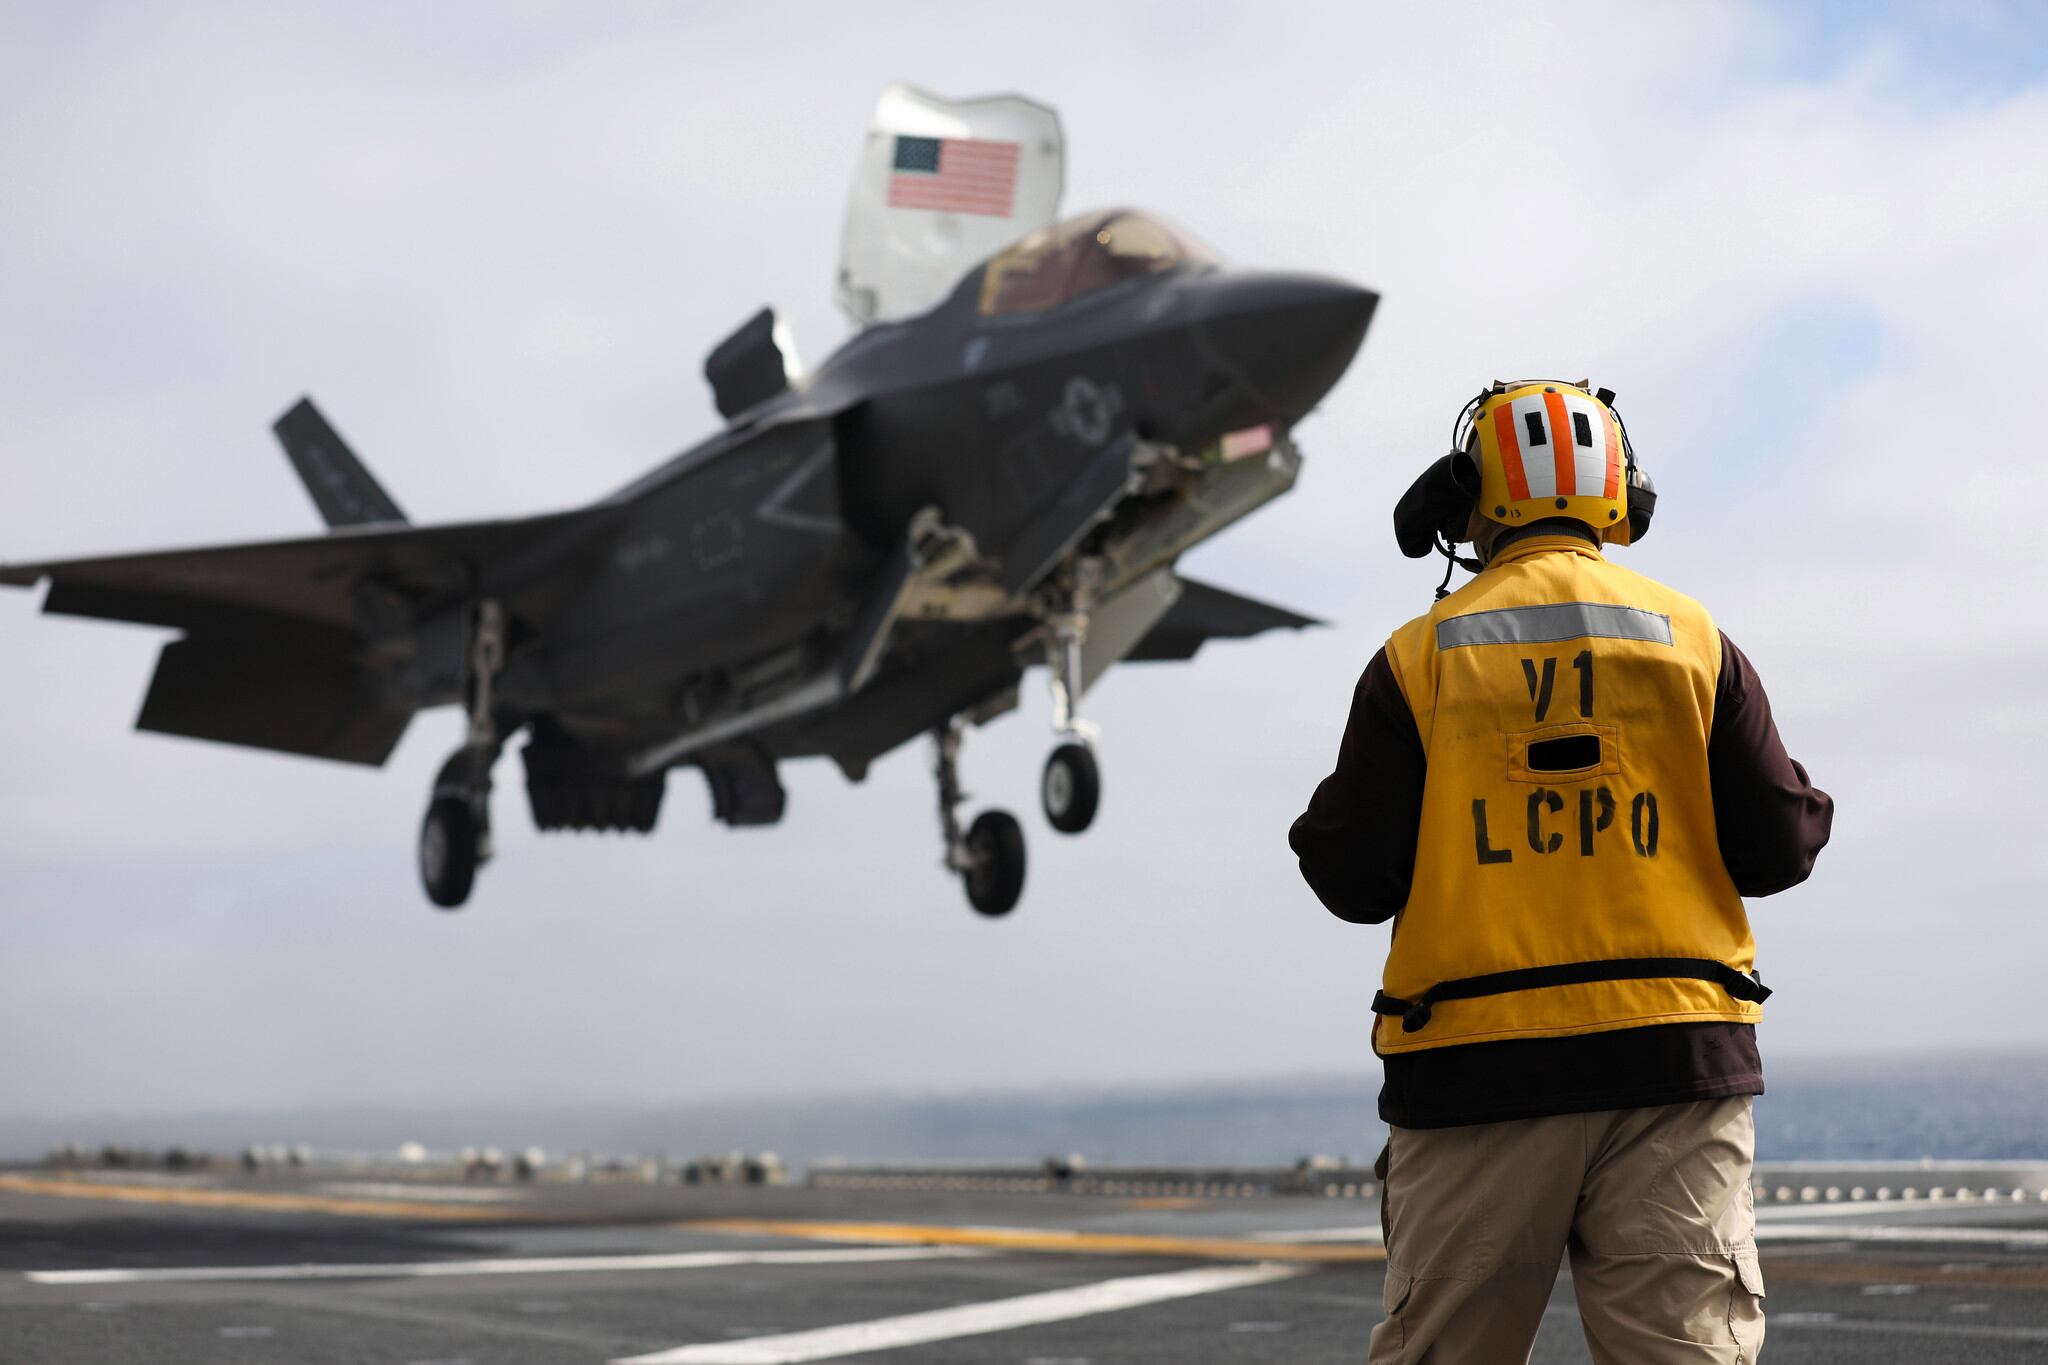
x,y
1206,613
241,692
342,489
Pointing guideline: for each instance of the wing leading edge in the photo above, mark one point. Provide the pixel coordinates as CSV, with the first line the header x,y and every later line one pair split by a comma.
x,y
310,583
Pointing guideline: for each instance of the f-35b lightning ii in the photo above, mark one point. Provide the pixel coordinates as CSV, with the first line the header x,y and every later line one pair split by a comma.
x,y
999,469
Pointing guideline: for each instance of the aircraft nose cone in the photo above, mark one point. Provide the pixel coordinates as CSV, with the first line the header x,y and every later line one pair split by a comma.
x,y
1285,340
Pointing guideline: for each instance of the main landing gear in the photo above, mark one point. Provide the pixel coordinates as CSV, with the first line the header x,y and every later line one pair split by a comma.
x,y
989,856
455,836
1071,788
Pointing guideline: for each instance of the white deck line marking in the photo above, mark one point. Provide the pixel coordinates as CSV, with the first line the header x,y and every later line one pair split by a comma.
x,y
534,1265
1001,1315
1369,1236
1897,1232
1768,1229
1868,1208
400,1189
1905,1327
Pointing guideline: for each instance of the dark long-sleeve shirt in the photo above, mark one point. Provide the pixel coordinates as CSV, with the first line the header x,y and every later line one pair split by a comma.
x,y
1357,842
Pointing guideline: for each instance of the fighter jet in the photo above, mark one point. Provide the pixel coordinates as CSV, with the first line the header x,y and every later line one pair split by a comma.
x,y
1035,418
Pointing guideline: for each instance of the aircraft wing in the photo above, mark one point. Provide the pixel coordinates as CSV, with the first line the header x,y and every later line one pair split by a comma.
x,y
1203,613
281,639
312,584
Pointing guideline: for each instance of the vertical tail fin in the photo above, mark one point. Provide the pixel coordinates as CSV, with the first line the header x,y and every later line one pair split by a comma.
x,y
342,489
942,185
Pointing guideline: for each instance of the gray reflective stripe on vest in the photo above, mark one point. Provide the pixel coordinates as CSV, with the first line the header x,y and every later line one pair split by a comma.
x,y
1553,621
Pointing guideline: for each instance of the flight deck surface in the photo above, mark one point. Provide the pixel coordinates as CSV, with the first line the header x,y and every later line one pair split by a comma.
x,y
311,1267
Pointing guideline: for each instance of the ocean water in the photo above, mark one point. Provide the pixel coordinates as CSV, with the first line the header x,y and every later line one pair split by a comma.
x,y
1975,1105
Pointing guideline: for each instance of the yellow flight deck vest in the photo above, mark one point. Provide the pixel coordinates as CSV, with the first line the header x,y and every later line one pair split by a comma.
x,y
1567,875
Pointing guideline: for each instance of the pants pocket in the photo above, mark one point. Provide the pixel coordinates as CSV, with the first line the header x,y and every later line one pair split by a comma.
x,y
1390,1337
1746,1305
1380,1166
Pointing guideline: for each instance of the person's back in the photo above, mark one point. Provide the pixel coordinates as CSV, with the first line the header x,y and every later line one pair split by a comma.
x,y
1561,780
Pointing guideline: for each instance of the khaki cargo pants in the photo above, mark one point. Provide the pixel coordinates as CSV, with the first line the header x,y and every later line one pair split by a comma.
x,y
1653,1206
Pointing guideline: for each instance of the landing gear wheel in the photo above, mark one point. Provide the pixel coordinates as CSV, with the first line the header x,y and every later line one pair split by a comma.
x,y
450,841
1072,788
995,843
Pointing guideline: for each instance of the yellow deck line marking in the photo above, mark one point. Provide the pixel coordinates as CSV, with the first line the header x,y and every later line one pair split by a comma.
x,y
258,1200
1041,1239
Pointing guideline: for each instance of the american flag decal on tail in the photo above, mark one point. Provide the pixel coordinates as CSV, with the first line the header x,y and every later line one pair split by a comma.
x,y
954,175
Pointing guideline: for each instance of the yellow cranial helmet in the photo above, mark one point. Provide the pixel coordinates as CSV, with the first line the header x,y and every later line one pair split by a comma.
x,y
1546,448
1523,453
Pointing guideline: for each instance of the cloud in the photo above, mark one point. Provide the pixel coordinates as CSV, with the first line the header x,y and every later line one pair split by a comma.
x,y
497,242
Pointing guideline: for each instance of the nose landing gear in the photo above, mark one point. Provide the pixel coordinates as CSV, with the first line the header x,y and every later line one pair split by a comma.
x,y
989,856
1071,788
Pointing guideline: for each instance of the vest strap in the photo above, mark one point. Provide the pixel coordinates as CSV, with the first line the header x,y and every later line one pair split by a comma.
x,y
1415,1013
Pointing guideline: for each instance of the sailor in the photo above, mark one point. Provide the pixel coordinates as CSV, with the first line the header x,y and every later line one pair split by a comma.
x,y
1559,784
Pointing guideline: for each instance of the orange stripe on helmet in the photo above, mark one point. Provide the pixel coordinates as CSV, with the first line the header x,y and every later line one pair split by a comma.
x,y
1613,456
1510,452
1564,451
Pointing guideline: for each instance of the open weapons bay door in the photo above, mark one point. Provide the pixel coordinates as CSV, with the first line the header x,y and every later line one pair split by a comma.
x,y
942,186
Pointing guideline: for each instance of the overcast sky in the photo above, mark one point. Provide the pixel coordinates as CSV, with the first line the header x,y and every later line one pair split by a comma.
x,y
1804,244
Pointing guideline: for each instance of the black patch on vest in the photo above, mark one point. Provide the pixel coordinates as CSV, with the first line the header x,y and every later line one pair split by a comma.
x,y
1566,754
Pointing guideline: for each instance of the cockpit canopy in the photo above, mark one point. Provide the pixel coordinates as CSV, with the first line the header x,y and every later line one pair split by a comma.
x,y
1048,267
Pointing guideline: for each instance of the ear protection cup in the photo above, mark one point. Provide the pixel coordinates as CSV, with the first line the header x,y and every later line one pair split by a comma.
x,y
1438,503
1642,501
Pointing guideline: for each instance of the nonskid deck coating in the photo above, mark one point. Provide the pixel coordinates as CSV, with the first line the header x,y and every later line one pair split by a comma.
x,y
299,1268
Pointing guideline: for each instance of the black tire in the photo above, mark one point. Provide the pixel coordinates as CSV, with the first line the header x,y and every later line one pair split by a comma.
x,y
1071,789
450,839
996,842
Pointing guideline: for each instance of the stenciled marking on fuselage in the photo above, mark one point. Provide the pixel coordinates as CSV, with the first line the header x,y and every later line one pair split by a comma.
x,y
639,552
1001,399
717,540
775,508
1087,411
